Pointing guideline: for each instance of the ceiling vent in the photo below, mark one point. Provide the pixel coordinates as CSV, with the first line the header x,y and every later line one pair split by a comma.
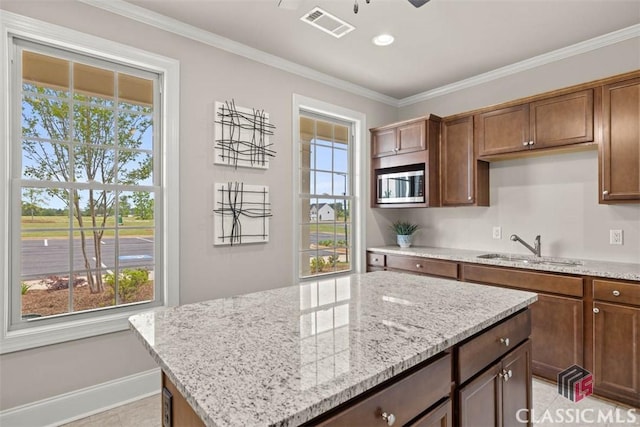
x,y
327,22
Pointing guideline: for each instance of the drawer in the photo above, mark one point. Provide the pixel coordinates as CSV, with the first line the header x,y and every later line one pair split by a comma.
x,y
482,350
608,290
376,260
423,265
405,399
531,281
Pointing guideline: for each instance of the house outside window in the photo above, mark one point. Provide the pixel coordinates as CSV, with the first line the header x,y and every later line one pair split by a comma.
x,y
328,237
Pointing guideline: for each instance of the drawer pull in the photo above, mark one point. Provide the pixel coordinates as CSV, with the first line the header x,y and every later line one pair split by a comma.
x,y
375,259
616,293
596,310
418,265
525,143
389,418
504,341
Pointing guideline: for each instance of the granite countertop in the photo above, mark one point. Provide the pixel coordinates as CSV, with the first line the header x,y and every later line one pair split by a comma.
x,y
613,270
285,356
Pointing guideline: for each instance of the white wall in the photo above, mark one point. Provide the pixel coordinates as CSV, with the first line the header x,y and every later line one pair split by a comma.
x,y
555,196
207,75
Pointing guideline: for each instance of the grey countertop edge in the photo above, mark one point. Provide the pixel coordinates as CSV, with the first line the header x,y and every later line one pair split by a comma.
x,y
313,411
163,366
588,268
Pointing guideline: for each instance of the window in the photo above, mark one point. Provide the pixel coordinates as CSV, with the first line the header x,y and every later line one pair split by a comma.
x,y
326,202
88,224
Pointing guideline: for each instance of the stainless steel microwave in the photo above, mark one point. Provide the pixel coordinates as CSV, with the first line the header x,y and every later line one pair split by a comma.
x,y
401,187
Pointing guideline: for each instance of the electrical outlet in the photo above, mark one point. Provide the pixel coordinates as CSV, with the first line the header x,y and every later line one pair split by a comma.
x,y
615,237
497,232
167,408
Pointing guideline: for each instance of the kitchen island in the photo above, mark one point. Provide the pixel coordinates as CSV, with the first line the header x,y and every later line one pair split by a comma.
x,y
289,355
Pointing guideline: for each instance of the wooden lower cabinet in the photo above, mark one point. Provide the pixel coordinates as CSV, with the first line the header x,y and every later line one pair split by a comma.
x,y
556,334
441,416
500,395
616,370
176,411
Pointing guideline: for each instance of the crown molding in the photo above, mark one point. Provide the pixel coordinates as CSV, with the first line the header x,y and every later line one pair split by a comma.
x,y
527,64
157,20
180,28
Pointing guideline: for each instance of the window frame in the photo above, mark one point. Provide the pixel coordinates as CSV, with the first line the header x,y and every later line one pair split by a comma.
x,y
357,178
97,322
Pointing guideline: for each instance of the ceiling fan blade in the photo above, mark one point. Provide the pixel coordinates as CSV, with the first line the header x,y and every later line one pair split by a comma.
x,y
418,3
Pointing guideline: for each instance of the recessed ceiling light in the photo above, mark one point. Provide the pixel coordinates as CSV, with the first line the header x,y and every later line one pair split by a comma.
x,y
383,40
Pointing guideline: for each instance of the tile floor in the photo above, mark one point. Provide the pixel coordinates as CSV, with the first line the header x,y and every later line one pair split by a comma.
x,y
146,412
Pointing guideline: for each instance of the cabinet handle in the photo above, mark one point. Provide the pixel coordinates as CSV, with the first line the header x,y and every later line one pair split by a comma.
x,y
469,198
596,310
389,418
375,259
525,143
504,341
616,293
418,265
605,192
530,142
505,375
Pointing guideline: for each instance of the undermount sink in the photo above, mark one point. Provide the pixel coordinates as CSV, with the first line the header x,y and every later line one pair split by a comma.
x,y
530,260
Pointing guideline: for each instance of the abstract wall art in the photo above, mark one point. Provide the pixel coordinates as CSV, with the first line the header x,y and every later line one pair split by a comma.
x,y
241,213
242,136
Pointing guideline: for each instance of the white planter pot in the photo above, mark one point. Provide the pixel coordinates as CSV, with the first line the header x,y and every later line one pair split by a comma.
x,y
404,241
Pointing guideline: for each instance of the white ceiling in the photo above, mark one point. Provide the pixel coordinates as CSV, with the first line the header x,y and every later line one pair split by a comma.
x,y
442,42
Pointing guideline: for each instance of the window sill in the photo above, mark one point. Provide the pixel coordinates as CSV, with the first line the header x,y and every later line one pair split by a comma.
x,y
38,336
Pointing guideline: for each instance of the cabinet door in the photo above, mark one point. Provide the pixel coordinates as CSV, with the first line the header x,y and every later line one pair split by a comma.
x,y
411,137
562,120
502,131
438,417
617,352
516,386
457,162
383,142
620,151
557,334
480,401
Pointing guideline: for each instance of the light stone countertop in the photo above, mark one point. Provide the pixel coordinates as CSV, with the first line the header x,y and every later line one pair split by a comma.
x,y
284,356
608,269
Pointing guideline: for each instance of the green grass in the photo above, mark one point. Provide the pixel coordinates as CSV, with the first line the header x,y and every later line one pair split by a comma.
x,y
327,228
57,226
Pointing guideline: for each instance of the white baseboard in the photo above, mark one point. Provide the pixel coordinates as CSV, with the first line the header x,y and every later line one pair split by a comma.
x,y
82,403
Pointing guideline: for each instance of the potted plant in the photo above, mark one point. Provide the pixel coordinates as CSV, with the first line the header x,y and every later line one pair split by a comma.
x,y
404,232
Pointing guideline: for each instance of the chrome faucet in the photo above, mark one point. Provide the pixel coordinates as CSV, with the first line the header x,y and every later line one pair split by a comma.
x,y
536,245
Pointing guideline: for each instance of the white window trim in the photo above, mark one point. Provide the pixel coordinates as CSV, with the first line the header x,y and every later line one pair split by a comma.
x,y
359,177
31,29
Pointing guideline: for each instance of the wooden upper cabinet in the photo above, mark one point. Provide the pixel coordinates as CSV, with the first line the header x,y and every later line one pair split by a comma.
x,y
383,142
464,180
399,139
502,131
549,122
411,137
620,148
562,120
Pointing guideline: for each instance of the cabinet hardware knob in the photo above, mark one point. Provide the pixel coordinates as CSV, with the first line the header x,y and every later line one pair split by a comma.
x,y
504,341
375,259
505,375
605,192
389,418
469,198
530,142
418,265
525,143
596,310
616,293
